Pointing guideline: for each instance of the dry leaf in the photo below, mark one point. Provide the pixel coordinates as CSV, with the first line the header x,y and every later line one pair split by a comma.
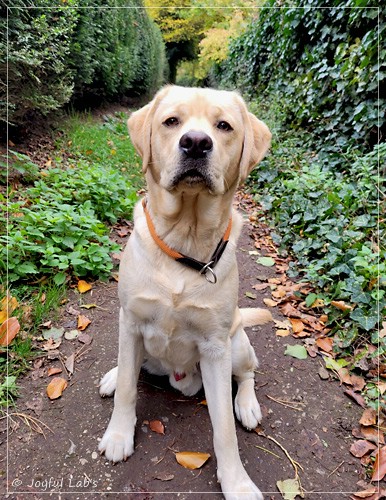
x,y
54,371
56,387
260,286
361,448
357,382
70,363
297,325
381,387
7,305
356,397
192,459
372,434
365,493
339,304
269,302
164,476
83,322
379,465
9,330
83,286
288,310
369,417
325,343
157,426
282,333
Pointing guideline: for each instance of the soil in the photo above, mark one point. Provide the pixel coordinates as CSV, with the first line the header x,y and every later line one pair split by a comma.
x,y
312,423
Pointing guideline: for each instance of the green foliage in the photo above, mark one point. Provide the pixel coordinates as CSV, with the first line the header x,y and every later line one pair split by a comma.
x,y
57,226
116,49
34,62
92,48
327,219
322,63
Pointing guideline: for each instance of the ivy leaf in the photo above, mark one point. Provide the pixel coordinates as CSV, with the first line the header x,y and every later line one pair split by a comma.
x,y
296,351
366,320
265,261
289,488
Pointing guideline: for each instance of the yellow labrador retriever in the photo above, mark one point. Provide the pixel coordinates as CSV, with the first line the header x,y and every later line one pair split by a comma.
x,y
178,281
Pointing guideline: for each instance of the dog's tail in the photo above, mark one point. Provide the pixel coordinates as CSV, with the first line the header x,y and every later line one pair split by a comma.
x,y
254,316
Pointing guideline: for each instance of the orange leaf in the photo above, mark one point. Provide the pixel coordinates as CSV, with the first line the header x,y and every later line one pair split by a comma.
x,y
192,459
325,343
8,331
339,304
270,302
83,286
369,417
83,322
7,305
379,465
56,387
157,426
282,333
54,371
297,325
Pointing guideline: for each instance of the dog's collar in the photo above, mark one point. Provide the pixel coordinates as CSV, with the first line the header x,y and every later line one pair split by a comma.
x,y
205,268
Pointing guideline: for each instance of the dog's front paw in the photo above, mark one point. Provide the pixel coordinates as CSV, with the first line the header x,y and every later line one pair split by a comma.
x,y
108,383
244,489
117,446
248,412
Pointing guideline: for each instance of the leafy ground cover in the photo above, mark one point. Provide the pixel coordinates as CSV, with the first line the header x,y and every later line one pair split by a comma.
x,y
56,227
327,209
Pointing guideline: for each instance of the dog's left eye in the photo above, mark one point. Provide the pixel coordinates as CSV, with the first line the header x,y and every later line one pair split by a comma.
x,y
171,122
224,126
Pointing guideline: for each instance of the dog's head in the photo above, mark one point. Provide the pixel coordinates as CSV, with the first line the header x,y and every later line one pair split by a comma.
x,y
198,139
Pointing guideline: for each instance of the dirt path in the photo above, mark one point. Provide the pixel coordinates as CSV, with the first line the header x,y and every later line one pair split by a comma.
x,y
315,429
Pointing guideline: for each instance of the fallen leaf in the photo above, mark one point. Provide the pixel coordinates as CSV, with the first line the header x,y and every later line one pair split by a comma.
x,y
288,310
381,387
379,465
265,261
54,371
164,476
157,426
260,286
7,305
356,397
72,311
51,344
250,295
56,387
83,286
88,306
8,331
365,493
372,434
361,447
325,343
71,335
83,322
192,459
70,363
339,304
53,333
284,325
296,351
357,382
369,417
297,325
282,333
85,338
269,302
289,488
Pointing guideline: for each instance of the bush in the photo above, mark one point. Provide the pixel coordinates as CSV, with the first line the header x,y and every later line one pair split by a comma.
x,y
322,63
39,78
105,49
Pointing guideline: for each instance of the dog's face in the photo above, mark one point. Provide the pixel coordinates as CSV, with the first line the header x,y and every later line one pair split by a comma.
x,y
198,139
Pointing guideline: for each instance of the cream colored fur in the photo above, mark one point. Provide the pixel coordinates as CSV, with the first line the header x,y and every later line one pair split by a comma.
x,y
171,317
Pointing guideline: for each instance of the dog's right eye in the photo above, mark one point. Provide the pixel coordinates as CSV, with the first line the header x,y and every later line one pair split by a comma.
x,y
171,122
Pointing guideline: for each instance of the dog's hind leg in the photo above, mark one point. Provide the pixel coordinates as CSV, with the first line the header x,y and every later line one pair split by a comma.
x,y
244,364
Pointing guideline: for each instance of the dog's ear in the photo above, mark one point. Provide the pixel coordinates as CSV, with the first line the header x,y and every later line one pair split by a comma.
x,y
257,140
140,125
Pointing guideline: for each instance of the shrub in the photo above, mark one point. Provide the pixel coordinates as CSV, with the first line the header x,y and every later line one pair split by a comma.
x,y
322,63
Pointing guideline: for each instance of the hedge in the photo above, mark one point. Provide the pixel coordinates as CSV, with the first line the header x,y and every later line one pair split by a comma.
x,y
57,53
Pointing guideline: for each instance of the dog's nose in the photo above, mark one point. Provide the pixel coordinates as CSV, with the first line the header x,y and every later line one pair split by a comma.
x,y
196,144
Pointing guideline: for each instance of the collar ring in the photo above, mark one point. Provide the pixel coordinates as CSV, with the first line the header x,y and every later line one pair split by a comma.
x,y
209,274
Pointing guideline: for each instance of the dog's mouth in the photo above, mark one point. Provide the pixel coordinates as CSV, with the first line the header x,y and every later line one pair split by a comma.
x,y
192,177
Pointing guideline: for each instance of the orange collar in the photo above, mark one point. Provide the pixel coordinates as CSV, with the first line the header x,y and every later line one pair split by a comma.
x,y
205,268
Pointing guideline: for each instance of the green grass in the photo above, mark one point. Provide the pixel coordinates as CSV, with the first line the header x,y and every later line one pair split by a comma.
x,y
59,222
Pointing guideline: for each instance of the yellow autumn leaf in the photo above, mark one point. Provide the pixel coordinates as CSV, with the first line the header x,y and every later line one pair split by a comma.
x,y
282,333
56,387
297,325
83,286
339,304
192,459
270,302
7,305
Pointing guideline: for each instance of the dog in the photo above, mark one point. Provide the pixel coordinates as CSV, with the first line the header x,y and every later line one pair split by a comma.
x,y
178,278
